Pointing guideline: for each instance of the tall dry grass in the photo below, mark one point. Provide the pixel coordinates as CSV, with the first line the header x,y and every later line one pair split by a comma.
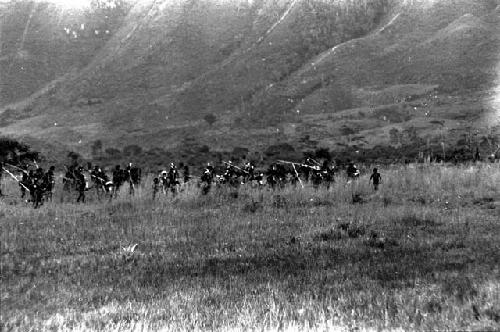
x,y
422,253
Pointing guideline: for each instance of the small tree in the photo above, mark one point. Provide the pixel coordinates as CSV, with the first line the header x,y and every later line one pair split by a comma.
x,y
322,153
73,158
395,136
210,119
132,150
96,148
113,152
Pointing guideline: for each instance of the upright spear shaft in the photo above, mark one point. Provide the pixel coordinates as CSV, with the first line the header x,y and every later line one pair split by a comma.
x,y
298,177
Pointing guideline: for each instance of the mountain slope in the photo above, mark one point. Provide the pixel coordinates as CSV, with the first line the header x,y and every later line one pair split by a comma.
x,y
310,73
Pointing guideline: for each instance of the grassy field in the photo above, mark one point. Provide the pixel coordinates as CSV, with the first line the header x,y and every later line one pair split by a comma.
x,y
422,253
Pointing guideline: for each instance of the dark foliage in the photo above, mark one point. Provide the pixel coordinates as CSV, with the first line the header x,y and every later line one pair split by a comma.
x,y
16,153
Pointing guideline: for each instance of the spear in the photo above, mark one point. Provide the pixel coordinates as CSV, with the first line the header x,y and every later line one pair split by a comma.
x,y
316,168
238,168
18,168
15,178
314,161
297,175
131,182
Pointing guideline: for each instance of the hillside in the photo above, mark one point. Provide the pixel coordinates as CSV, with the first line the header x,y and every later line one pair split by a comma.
x,y
338,75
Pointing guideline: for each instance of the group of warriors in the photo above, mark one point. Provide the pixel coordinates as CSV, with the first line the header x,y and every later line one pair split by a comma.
x,y
276,176
37,185
75,179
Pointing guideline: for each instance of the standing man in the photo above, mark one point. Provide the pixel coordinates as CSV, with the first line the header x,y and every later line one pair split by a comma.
x,y
38,187
207,178
50,182
117,179
352,172
133,175
80,185
173,178
156,187
164,181
376,178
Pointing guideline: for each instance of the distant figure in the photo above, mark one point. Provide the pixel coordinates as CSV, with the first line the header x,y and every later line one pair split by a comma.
x,y
173,178
50,182
164,181
81,185
352,172
206,179
477,155
376,178
117,178
38,187
156,187
248,172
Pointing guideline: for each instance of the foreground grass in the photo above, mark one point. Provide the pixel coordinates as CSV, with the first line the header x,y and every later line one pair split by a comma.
x,y
423,253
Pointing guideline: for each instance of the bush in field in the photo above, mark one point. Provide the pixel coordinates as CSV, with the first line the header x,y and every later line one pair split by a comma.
x,y
132,150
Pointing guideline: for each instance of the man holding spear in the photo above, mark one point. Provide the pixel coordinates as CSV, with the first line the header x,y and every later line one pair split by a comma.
x,y
2,168
297,177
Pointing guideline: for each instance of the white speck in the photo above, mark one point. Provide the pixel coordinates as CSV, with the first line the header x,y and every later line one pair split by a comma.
x,y
55,123
96,32
298,111
80,142
107,32
82,26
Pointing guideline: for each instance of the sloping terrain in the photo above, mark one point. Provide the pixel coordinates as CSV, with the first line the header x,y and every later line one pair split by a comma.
x,y
41,42
310,73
